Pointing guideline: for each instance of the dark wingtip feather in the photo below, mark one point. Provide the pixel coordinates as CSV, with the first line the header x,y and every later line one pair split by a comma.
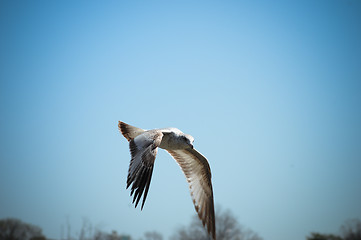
x,y
147,185
140,185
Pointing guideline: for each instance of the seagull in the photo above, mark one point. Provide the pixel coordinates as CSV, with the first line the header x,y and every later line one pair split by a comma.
x,y
143,145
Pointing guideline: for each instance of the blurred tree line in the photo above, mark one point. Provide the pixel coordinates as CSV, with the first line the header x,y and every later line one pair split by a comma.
x,y
14,229
350,230
228,228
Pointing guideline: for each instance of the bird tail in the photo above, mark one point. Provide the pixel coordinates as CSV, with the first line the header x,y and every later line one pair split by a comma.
x,y
128,131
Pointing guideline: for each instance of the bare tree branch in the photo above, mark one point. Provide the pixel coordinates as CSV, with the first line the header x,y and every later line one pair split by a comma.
x,y
227,228
351,229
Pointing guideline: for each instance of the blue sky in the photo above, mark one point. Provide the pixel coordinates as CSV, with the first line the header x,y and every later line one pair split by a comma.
x,y
269,90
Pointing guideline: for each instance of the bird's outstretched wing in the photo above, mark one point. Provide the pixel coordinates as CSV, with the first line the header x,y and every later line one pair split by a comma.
x,y
143,149
198,173
128,131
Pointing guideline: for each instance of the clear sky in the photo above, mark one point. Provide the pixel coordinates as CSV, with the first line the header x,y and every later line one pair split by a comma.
x,y
270,90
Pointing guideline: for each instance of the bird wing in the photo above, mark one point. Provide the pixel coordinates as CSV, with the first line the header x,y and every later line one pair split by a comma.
x,y
128,131
198,173
143,150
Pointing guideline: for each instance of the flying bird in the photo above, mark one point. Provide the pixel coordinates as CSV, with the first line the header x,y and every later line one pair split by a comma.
x,y
143,145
